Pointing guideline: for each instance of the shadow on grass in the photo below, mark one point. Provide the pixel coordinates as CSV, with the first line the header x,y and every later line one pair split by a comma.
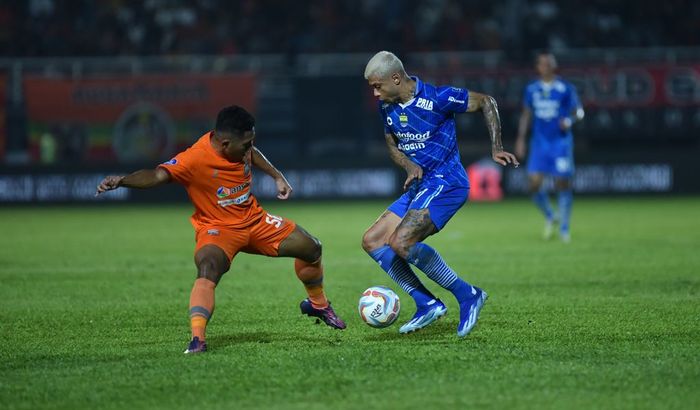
x,y
435,332
263,337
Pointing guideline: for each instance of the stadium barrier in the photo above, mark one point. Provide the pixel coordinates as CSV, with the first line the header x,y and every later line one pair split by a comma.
x,y
490,182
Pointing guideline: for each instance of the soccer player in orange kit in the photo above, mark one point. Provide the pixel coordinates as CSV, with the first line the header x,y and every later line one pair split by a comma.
x,y
227,219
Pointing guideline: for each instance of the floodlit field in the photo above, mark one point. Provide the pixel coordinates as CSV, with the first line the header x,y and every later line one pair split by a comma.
x,y
93,306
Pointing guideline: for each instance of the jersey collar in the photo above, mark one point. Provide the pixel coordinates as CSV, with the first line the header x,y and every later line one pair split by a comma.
x,y
419,88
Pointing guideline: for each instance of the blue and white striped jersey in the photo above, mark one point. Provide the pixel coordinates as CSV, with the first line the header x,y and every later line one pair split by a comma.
x,y
426,130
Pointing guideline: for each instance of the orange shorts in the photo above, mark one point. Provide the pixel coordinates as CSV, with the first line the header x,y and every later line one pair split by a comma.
x,y
262,237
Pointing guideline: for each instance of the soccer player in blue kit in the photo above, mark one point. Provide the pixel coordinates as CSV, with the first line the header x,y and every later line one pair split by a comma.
x,y
555,106
419,128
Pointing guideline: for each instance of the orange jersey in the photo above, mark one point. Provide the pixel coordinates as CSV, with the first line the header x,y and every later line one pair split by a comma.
x,y
219,189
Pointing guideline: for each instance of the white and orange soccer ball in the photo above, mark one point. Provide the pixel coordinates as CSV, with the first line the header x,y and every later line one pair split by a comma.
x,y
379,306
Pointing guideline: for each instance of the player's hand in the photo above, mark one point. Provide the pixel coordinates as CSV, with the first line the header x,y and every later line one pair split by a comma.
x,y
504,158
284,190
565,123
414,173
520,148
109,183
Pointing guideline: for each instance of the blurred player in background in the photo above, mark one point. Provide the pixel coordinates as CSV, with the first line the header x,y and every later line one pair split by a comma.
x,y
419,128
555,106
216,172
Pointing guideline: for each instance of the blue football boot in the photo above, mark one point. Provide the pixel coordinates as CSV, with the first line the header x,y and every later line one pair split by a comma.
x,y
424,316
469,311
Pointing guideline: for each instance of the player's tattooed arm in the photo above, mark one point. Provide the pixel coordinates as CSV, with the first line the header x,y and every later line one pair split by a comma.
x,y
487,105
284,189
413,171
145,178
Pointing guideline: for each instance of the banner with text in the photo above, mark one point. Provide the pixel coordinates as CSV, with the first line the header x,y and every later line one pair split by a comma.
x,y
126,118
658,102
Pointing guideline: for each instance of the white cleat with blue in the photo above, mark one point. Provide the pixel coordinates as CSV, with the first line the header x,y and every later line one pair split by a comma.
x,y
469,311
433,311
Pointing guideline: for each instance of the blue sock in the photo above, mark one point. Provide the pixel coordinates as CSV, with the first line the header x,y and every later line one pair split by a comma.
x,y
566,200
431,263
541,199
400,271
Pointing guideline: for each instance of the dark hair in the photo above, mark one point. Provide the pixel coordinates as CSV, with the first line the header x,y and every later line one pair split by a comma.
x,y
234,119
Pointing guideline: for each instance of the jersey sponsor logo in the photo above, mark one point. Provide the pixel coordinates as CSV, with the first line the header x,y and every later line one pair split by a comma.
x,y
214,232
545,109
389,121
171,162
223,192
411,146
409,136
403,119
424,104
234,201
454,100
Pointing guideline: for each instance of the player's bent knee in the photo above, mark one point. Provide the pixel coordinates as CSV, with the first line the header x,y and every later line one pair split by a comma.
x,y
316,251
399,246
311,251
209,269
370,241
563,184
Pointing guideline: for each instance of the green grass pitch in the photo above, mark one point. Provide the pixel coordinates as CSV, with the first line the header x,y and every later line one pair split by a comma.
x,y
93,306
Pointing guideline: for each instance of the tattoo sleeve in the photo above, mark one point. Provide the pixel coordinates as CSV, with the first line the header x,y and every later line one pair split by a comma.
x,y
493,122
397,156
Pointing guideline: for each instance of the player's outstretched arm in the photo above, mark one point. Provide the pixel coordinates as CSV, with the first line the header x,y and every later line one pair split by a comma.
x,y
283,187
413,171
487,105
523,125
145,178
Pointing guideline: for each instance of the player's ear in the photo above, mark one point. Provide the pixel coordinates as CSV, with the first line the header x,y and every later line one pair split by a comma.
x,y
396,78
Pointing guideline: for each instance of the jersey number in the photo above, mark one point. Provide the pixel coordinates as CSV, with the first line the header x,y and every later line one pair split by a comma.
x,y
276,221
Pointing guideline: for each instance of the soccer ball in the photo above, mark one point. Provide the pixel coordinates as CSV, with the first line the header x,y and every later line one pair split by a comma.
x,y
379,306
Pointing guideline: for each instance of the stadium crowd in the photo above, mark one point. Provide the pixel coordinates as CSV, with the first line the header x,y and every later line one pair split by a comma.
x,y
157,27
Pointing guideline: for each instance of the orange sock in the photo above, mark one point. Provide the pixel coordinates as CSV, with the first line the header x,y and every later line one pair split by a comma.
x,y
311,275
201,306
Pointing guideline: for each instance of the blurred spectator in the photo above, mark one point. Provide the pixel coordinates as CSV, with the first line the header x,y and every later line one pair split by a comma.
x,y
150,27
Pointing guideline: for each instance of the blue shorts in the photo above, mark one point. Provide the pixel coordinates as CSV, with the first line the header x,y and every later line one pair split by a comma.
x,y
442,202
552,158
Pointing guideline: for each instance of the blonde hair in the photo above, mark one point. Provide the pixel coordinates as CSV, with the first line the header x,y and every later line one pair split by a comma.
x,y
383,65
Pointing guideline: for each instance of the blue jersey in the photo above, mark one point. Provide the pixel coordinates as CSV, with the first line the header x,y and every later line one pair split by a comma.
x,y
550,102
426,131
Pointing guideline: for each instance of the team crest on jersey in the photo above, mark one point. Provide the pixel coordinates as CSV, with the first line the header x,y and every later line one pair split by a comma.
x,y
403,119
424,104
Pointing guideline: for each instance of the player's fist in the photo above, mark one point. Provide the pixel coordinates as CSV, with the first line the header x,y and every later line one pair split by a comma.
x,y
283,187
109,183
